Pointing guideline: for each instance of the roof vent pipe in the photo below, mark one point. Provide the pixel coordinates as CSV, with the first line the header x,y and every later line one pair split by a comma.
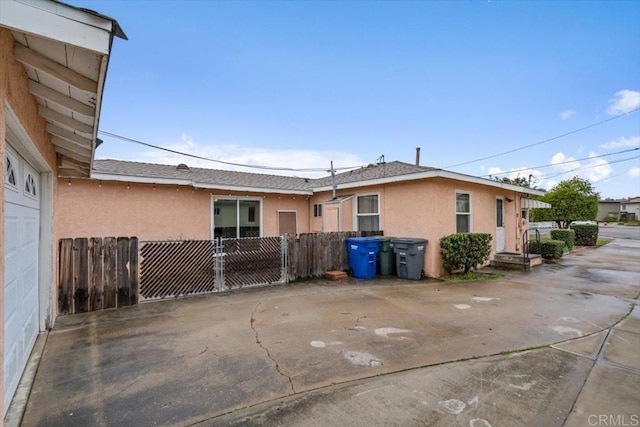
x,y
417,156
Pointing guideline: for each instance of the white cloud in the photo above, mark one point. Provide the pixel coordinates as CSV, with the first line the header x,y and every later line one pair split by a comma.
x,y
567,114
564,163
298,158
634,172
633,141
495,171
623,102
596,169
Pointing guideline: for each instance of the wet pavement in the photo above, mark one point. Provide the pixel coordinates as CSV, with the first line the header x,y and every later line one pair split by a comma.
x,y
531,348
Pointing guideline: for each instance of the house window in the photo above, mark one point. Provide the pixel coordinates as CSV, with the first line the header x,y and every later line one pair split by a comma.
x,y
463,212
317,210
235,218
368,214
10,172
30,186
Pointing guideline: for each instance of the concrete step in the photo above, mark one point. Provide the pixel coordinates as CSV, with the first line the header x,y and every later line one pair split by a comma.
x,y
513,261
511,265
509,257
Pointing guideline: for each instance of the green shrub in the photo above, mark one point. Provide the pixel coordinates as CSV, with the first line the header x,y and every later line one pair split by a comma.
x,y
610,219
465,251
549,249
568,236
586,234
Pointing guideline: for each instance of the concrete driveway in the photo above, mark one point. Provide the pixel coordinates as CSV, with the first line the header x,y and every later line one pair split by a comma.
x,y
383,352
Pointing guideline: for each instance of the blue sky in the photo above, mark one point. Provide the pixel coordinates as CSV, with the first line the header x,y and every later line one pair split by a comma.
x,y
298,84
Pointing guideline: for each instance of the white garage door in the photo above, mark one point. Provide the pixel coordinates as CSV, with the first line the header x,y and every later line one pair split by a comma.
x,y
22,224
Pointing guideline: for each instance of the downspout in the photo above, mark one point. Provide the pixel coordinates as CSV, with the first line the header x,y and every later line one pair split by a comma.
x,y
333,182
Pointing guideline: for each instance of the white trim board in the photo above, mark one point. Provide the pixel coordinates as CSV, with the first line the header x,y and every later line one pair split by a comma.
x,y
433,174
57,21
176,181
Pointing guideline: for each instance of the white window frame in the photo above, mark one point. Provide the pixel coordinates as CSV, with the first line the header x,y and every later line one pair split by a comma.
x,y
470,213
502,213
356,214
10,156
238,199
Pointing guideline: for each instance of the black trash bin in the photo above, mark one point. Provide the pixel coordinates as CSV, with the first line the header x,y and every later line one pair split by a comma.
x,y
410,254
386,257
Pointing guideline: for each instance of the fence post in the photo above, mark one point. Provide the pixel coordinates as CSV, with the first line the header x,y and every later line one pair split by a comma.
x,y
284,260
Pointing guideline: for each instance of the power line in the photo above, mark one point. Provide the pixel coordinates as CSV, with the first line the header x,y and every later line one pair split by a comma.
x,y
590,167
609,177
562,163
146,144
524,147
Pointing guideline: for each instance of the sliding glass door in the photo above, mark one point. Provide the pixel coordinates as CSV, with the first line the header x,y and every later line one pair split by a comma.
x,y
235,218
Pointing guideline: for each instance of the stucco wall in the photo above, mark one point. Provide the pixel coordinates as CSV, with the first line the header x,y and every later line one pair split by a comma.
x,y
14,92
89,208
426,209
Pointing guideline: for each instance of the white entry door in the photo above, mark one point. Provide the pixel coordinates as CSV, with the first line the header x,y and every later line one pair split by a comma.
x,y
22,225
499,225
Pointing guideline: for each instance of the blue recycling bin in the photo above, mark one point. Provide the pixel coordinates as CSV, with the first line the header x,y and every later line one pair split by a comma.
x,y
363,253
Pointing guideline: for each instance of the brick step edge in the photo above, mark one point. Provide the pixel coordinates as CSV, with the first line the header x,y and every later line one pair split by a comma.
x,y
336,275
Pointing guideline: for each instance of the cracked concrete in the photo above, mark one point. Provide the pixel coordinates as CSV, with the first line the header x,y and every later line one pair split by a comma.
x,y
275,362
194,360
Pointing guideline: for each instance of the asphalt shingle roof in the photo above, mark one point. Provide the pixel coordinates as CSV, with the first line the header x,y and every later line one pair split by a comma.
x,y
202,175
252,180
377,171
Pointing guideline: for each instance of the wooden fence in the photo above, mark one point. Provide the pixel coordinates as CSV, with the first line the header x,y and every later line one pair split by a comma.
x,y
97,273
101,273
312,255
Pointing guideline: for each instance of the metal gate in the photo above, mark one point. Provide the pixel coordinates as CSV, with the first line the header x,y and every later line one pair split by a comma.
x,y
191,267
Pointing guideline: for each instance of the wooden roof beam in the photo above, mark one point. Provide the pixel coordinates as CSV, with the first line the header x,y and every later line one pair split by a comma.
x,y
57,71
76,139
66,162
73,156
60,118
70,146
63,100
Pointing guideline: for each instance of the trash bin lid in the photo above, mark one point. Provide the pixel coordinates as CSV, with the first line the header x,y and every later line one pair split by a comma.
x,y
409,240
384,238
362,240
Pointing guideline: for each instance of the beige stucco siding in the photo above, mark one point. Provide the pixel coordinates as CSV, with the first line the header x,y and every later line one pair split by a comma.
x,y
92,208
426,209
285,202
14,92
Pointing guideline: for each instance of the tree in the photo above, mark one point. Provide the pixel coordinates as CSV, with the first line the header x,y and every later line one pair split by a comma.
x,y
571,200
519,181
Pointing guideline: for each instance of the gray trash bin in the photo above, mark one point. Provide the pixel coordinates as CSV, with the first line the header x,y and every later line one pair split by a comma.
x,y
409,257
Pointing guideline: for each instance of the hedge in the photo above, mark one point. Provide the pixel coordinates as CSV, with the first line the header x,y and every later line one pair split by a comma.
x,y
586,234
568,236
549,249
465,251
